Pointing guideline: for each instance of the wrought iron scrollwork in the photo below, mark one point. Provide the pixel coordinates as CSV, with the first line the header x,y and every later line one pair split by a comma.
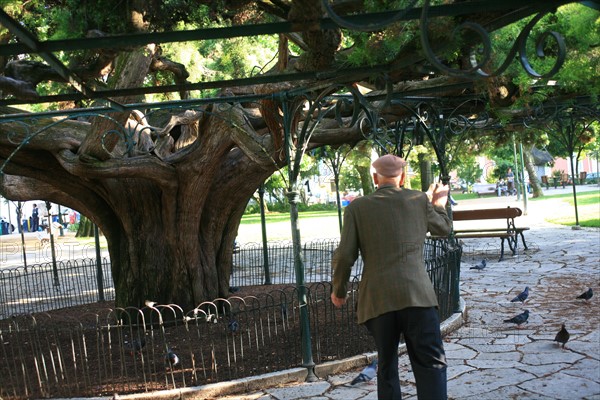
x,y
422,121
481,57
366,27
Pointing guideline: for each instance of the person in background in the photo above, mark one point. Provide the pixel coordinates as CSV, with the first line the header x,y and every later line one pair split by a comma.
x,y
395,296
510,181
451,200
35,219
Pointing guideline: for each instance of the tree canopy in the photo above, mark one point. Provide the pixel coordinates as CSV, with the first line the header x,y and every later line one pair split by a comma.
x,y
163,117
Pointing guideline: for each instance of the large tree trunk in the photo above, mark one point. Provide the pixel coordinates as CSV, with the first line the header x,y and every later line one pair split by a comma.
x,y
170,224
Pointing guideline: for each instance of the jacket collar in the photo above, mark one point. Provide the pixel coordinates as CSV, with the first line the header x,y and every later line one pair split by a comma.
x,y
388,186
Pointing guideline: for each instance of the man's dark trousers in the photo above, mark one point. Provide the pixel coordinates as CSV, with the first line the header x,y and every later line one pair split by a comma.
x,y
421,328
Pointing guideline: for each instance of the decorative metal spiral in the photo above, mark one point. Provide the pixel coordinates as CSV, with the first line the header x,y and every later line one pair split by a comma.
x,y
482,56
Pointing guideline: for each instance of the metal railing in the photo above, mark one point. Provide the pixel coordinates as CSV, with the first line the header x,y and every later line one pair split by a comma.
x,y
113,350
40,287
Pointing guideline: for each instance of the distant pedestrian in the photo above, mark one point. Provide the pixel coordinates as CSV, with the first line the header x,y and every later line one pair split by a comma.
x,y
395,296
510,181
35,219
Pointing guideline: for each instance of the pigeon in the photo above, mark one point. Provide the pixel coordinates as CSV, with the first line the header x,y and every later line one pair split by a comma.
x,y
211,318
136,345
562,336
481,265
366,374
233,325
234,289
150,303
171,359
519,319
586,295
283,310
521,296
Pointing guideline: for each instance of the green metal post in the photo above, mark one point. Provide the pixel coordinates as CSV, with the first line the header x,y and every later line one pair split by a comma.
x,y
574,193
522,178
99,273
61,230
294,198
263,226
336,179
516,163
22,230
52,249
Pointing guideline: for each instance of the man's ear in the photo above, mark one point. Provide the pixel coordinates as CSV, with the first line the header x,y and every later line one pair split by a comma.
x,y
375,178
402,177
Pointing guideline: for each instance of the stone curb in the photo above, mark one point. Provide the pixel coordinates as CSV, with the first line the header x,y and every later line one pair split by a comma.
x,y
260,382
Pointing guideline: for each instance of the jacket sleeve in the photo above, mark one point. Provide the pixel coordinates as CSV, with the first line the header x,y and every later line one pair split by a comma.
x,y
345,255
438,223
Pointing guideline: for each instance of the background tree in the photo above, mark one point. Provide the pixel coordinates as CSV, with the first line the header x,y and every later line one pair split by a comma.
x,y
469,170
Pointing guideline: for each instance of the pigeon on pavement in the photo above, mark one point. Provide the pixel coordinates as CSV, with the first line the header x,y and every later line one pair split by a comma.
x,y
171,359
519,319
586,295
366,374
481,265
521,296
562,336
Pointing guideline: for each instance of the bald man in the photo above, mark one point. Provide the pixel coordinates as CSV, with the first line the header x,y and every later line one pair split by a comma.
x,y
395,293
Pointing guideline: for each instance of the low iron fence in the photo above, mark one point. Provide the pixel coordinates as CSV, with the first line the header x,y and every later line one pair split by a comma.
x,y
102,351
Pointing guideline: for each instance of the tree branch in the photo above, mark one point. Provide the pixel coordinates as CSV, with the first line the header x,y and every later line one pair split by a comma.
x,y
147,167
20,89
258,148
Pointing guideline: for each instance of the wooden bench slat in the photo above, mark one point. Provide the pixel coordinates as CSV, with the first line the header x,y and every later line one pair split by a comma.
x,y
486,213
488,230
484,235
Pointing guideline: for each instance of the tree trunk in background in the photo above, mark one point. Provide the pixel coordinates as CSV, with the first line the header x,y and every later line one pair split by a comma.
x,y
425,170
533,178
366,179
362,162
86,227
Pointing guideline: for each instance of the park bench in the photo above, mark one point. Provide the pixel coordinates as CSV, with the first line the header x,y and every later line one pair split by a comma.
x,y
508,232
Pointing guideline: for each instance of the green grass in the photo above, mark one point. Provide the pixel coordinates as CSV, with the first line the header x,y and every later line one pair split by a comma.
x,y
588,209
285,216
583,198
464,196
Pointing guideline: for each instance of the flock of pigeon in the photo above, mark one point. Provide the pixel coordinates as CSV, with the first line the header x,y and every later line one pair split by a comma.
x,y
562,337
370,371
134,347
